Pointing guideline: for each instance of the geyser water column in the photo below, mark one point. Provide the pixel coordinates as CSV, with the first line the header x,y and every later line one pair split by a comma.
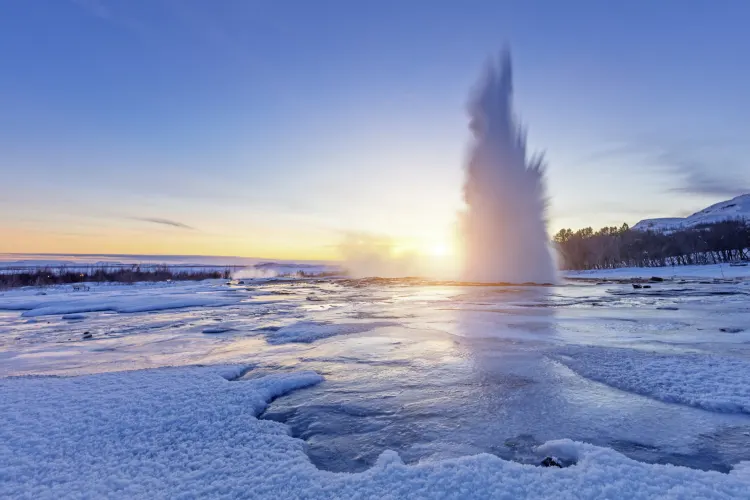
x,y
504,225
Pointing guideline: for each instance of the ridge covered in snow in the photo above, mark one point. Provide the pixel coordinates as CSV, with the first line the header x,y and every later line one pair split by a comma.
x,y
736,208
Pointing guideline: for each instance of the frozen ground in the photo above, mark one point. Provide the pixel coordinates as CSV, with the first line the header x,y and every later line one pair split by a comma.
x,y
713,271
421,389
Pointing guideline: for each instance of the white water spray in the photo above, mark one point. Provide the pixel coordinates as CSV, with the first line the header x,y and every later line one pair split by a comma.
x,y
504,227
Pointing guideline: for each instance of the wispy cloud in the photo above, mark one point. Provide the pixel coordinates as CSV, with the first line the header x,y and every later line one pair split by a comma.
x,y
702,177
164,222
697,168
608,152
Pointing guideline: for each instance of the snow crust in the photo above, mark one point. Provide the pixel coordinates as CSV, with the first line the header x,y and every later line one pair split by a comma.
x,y
716,383
189,432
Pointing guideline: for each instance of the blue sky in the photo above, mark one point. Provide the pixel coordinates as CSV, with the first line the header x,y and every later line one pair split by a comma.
x,y
275,128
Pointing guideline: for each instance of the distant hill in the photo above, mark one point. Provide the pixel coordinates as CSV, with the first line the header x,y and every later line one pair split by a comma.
x,y
736,208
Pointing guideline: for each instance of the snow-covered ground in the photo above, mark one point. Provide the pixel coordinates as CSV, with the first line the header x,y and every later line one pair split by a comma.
x,y
395,389
192,433
713,271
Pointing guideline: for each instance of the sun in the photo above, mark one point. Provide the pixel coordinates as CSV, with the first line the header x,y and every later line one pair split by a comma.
x,y
438,249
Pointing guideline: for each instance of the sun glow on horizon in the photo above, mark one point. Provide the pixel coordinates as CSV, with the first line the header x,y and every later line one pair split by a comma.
x,y
438,250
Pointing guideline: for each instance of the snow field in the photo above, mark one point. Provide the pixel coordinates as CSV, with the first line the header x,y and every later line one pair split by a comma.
x,y
189,432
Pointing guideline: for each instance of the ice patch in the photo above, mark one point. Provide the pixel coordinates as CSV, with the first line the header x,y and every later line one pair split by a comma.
x,y
711,382
48,305
310,331
217,329
188,432
74,316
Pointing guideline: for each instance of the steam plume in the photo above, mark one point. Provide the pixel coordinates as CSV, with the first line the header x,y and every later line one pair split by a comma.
x,y
504,227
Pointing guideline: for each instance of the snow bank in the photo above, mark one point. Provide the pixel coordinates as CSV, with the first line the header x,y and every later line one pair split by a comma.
x,y
710,382
310,331
188,432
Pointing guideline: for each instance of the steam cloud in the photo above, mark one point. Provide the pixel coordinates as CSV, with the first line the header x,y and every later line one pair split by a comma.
x,y
504,226
368,255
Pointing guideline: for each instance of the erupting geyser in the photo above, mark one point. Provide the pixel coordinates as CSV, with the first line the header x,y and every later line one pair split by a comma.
x,y
504,227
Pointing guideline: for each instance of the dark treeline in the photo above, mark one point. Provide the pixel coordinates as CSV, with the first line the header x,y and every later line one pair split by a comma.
x,y
62,275
613,247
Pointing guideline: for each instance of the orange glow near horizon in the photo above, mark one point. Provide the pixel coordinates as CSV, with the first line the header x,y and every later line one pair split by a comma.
x,y
153,243
282,245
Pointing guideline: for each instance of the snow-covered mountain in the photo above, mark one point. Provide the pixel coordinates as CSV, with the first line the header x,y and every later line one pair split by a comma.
x,y
736,208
